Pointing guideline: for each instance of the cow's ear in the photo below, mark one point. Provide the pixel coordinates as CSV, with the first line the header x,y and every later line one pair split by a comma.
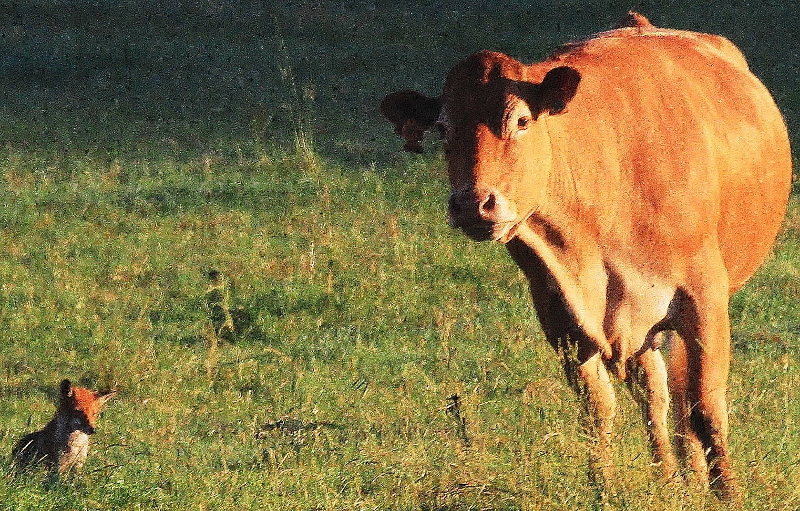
x,y
557,89
412,114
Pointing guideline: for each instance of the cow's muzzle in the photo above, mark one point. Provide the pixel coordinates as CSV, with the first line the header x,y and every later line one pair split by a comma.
x,y
482,213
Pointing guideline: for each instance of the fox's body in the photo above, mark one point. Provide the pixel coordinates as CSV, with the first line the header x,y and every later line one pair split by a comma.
x,y
64,442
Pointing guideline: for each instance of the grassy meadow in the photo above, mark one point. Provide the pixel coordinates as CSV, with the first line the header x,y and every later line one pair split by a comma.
x,y
202,208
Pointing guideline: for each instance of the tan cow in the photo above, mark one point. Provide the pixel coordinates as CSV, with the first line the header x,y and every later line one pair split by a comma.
x,y
638,178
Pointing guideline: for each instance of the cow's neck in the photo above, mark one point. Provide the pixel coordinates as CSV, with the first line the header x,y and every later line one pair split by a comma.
x,y
575,270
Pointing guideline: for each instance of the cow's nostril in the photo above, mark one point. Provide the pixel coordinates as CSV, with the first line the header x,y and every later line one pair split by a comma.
x,y
475,205
487,206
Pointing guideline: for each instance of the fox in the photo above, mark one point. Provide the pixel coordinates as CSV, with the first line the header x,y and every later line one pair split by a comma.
x,y
63,444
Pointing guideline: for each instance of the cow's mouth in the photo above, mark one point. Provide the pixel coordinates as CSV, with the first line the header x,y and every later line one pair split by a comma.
x,y
489,231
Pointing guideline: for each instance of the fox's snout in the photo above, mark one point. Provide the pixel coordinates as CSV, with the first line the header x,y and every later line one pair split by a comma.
x,y
79,422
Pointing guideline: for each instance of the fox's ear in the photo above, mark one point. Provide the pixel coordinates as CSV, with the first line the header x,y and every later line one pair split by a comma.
x,y
66,388
103,398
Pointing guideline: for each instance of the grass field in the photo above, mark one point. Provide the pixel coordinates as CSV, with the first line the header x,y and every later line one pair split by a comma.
x,y
165,169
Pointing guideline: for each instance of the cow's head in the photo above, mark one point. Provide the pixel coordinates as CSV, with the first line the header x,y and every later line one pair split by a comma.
x,y
492,122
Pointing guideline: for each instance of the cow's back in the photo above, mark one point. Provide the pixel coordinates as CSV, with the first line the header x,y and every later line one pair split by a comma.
x,y
674,127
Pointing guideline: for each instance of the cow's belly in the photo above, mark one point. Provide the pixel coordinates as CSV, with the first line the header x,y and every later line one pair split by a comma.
x,y
637,308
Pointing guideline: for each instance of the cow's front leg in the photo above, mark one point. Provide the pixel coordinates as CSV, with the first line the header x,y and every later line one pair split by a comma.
x,y
648,382
595,384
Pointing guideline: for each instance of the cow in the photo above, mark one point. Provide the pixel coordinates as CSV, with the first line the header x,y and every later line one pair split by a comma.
x,y
638,178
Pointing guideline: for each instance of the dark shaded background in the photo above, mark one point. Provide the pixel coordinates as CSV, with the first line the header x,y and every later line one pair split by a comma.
x,y
138,75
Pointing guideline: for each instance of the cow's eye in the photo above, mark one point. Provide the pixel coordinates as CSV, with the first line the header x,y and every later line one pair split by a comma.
x,y
523,123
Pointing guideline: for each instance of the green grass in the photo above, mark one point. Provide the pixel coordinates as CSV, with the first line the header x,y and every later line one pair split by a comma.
x,y
143,151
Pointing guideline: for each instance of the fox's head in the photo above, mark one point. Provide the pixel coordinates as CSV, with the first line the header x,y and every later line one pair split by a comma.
x,y
82,406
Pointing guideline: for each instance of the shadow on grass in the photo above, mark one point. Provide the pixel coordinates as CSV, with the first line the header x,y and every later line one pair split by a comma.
x,y
135,76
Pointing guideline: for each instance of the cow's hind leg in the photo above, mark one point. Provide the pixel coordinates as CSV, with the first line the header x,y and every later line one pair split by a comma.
x,y
688,445
648,383
705,329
